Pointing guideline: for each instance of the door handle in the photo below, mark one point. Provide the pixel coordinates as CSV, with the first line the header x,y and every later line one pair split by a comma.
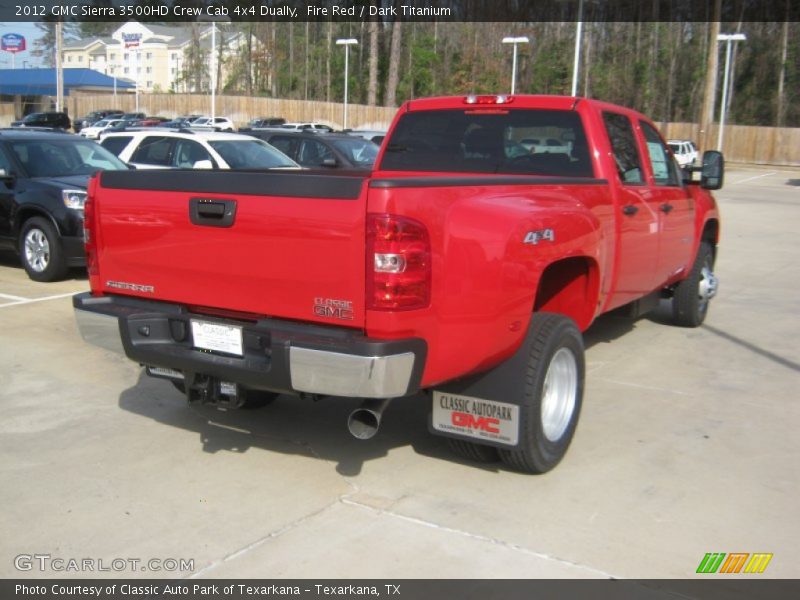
x,y
666,207
630,210
212,212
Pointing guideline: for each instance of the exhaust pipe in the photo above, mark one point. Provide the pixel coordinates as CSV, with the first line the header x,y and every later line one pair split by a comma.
x,y
363,422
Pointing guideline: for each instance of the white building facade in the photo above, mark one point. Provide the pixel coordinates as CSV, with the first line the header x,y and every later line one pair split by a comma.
x,y
151,56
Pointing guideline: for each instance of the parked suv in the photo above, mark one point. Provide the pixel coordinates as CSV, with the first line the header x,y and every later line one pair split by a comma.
x,y
684,150
314,151
157,148
43,179
93,117
56,120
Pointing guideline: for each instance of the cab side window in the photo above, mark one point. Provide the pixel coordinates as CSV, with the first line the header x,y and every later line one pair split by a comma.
x,y
624,147
664,169
188,152
153,150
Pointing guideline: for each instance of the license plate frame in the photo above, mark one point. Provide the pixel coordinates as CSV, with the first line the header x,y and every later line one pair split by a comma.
x,y
217,337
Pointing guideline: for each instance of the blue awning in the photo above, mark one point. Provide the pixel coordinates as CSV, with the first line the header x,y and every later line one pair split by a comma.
x,y
42,82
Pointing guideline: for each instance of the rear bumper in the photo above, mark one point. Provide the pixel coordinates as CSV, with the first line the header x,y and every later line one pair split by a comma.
x,y
280,356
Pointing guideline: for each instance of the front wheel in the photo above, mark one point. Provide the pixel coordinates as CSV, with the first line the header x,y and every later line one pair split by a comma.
x,y
692,295
553,393
41,250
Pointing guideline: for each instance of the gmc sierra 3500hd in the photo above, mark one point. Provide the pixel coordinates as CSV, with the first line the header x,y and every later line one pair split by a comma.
x,y
465,266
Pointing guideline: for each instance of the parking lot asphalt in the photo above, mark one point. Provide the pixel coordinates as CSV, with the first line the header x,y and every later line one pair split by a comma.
x,y
688,443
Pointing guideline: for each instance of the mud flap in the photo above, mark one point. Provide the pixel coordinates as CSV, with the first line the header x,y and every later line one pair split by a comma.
x,y
485,408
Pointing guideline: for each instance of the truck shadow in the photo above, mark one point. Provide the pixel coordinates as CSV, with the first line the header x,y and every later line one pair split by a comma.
x,y
291,425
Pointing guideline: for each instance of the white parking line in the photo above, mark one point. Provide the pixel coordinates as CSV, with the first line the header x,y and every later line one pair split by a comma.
x,y
10,297
756,177
32,300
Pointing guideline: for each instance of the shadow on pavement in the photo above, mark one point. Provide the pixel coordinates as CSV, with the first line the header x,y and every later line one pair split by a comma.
x,y
784,362
9,258
292,425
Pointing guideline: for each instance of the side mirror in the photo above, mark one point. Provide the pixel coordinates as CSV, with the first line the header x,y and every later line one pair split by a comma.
x,y
712,173
329,162
203,164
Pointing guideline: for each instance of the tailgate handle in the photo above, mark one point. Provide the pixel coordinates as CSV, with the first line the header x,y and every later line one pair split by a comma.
x,y
212,212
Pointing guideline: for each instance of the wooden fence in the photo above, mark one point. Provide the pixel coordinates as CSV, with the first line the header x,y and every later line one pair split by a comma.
x,y
745,144
6,113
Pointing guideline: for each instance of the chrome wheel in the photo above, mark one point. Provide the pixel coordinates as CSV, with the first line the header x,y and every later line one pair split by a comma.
x,y
37,250
707,286
559,393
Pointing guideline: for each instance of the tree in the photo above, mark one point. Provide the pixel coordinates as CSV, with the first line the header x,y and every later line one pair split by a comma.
x,y
395,56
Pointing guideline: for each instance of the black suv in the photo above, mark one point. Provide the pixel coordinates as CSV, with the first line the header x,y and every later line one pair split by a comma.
x,y
93,117
55,120
321,150
43,179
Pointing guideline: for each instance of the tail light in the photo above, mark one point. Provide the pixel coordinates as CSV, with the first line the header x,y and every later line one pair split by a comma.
x,y
90,237
398,263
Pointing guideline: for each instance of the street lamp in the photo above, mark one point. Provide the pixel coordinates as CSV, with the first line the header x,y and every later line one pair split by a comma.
x,y
346,42
726,37
515,40
577,61
213,20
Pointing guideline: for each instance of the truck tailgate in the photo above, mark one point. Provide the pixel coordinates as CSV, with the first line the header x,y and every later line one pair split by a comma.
x,y
287,245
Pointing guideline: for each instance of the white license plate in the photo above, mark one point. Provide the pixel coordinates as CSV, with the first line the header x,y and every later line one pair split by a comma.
x,y
476,418
217,337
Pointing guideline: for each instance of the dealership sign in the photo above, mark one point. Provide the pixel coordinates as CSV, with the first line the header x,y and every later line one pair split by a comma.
x,y
12,42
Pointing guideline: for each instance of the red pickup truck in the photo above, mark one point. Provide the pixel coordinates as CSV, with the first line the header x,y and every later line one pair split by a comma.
x,y
465,267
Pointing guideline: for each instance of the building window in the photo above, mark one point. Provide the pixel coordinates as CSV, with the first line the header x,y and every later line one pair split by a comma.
x,y
173,71
174,56
149,70
149,84
69,59
126,71
80,59
149,56
125,56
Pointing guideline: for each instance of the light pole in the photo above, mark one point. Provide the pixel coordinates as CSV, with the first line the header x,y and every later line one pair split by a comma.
x,y
213,62
726,37
213,72
516,41
346,42
577,62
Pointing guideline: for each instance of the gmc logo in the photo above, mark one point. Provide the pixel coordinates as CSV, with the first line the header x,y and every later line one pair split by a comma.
x,y
461,419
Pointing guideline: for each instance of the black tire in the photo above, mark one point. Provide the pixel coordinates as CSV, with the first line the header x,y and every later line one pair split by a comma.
x,y
253,398
41,250
691,297
557,350
474,452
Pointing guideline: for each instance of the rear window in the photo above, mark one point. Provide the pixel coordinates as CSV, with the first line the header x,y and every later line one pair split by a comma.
x,y
250,154
531,142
